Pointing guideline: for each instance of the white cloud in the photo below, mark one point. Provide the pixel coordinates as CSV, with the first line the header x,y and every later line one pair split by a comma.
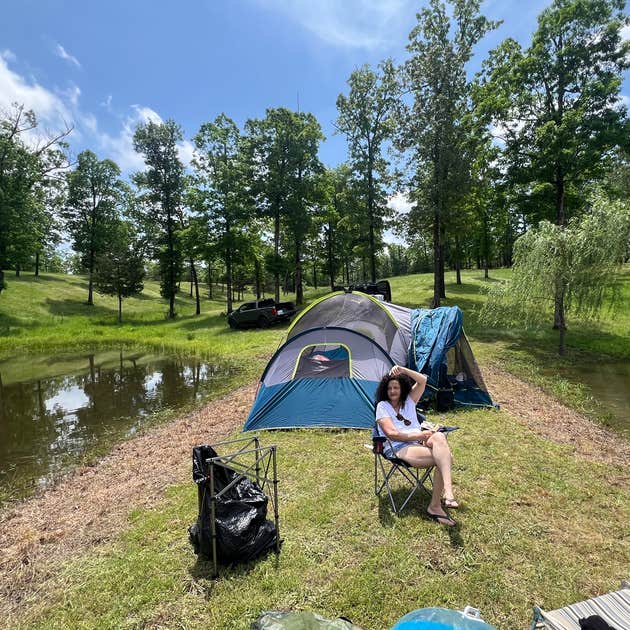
x,y
624,101
56,111
7,55
51,110
146,114
120,147
107,103
400,203
73,94
61,52
186,150
368,24
625,33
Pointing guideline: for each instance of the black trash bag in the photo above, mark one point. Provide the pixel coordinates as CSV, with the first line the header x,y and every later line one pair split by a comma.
x,y
243,531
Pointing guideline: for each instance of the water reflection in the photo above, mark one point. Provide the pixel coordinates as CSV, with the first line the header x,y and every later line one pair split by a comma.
x,y
54,410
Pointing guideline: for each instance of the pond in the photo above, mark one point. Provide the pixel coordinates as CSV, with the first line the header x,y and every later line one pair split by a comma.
x,y
609,384
57,410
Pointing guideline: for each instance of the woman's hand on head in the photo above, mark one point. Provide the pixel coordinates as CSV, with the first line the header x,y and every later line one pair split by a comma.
x,y
395,371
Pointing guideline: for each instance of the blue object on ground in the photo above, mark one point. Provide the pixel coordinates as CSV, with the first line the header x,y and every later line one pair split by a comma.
x,y
441,619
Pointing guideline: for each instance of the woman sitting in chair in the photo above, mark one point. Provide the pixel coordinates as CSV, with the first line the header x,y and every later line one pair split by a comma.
x,y
397,420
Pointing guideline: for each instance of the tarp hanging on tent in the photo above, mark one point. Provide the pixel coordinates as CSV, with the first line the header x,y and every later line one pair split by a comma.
x,y
439,348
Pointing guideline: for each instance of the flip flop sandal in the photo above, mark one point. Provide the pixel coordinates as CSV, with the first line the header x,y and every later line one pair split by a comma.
x,y
444,517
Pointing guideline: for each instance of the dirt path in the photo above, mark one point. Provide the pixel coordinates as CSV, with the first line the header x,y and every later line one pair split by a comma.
x,y
91,506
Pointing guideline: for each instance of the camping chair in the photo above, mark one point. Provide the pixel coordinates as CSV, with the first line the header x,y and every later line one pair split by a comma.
x,y
386,468
613,608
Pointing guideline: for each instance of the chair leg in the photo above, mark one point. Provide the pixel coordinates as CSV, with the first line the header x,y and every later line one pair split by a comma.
x,y
413,476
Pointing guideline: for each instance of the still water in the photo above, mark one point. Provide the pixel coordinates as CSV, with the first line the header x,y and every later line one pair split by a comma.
x,y
56,410
609,384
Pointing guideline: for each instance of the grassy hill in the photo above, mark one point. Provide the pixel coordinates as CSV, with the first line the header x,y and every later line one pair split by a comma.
x,y
539,523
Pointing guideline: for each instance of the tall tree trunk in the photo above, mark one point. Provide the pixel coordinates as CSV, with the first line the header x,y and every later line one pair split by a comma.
x,y
560,293
435,302
442,260
276,251
209,281
36,264
314,275
193,272
120,310
90,300
558,317
299,289
458,263
171,271
17,270
228,279
331,275
258,273
371,219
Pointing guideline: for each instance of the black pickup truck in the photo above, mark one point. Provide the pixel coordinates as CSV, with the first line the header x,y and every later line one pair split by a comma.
x,y
261,313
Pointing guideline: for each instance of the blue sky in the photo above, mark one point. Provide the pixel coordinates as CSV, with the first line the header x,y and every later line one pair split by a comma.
x,y
105,66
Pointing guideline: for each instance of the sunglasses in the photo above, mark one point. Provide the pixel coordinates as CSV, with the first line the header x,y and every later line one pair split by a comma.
x,y
403,419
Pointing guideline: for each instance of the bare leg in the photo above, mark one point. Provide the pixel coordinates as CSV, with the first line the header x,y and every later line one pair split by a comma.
x,y
423,457
443,460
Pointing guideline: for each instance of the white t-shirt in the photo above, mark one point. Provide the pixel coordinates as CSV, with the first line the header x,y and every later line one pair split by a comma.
x,y
384,409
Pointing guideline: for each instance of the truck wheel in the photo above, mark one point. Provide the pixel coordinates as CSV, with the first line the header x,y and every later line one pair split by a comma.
x,y
263,322
232,324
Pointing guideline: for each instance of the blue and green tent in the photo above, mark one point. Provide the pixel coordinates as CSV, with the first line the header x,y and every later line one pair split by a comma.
x,y
326,372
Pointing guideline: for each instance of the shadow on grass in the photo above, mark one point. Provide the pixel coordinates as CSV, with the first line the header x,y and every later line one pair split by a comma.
x,y
416,509
77,307
203,570
6,323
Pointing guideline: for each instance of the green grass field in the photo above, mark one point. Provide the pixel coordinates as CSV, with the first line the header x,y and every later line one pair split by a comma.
x,y
537,524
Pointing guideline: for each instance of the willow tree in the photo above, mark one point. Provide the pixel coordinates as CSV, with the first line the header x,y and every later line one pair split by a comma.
x,y
567,270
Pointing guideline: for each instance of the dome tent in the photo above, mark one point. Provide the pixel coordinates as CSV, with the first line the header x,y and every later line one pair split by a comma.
x,y
325,377
327,371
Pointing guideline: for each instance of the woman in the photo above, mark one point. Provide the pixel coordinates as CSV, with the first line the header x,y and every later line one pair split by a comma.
x,y
397,420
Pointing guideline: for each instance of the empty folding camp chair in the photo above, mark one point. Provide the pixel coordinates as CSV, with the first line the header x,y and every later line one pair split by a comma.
x,y
386,469
612,608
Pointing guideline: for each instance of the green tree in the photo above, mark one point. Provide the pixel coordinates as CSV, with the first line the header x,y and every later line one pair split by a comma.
x,y
435,129
572,269
366,117
281,154
555,105
163,185
27,169
120,270
219,194
92,206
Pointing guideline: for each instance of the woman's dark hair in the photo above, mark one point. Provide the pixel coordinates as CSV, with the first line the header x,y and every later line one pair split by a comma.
x,y
405,387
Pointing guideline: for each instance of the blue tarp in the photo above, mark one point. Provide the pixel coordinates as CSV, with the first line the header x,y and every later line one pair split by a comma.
x,y
433,333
